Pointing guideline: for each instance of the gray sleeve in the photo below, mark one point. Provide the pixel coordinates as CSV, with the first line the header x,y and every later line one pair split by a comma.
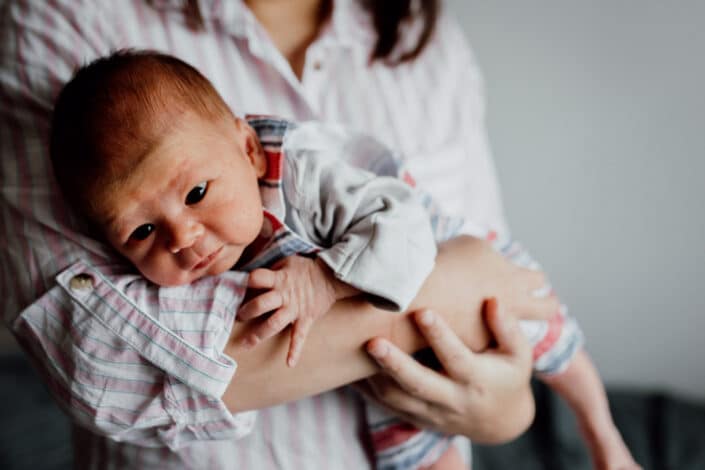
x,y
375,234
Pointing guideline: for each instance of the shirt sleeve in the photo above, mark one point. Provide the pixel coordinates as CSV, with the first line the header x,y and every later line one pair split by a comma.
x,y
112,348
450,157
134,363
375,234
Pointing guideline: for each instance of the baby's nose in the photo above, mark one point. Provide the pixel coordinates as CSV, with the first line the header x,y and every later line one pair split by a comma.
x,y
185,235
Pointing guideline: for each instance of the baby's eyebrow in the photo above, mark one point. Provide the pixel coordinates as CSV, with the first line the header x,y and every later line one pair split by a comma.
x,y
112,221
112,224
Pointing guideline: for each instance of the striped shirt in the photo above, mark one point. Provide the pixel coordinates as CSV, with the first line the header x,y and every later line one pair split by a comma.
x,y
440,133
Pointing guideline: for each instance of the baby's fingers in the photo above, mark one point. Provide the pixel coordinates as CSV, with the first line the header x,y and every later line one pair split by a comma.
x,y
263,303
270,327
261,278
299,333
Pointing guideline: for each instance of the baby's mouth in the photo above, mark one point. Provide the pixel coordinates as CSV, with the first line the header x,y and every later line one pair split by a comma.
x,y
207,260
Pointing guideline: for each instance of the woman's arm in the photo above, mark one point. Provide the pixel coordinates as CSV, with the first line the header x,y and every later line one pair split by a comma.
x,y
467,271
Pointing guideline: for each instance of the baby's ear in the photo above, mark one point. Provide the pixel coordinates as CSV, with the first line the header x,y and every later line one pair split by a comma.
x,y
253,148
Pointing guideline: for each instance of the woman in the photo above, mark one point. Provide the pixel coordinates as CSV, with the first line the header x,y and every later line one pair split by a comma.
x,y
412,84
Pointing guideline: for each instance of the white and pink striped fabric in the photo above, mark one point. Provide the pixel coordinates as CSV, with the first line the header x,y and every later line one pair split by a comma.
x,y
431,110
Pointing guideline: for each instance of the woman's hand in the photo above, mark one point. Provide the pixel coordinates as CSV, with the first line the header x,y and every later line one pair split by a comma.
x,y
485,396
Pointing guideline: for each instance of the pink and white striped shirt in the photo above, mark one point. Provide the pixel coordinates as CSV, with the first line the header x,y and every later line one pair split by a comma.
x,y
431,110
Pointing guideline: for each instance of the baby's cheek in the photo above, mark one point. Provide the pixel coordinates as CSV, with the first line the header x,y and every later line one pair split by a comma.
x,y
160,270
243,227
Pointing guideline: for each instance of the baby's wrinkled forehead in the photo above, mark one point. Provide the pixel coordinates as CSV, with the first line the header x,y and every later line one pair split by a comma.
x,y
114,111
141,174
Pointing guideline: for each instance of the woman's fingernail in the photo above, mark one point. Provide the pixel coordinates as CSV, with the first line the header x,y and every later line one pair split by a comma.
x,y
427,318
378,349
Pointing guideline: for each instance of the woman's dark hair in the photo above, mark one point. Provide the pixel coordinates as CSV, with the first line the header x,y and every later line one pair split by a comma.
x,y
389,17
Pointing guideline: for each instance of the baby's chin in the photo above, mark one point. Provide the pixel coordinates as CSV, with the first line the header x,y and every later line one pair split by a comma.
x,y
224,261
182,278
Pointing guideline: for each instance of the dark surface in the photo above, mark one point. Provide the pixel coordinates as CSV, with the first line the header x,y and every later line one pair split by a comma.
x,y
663,432
34,433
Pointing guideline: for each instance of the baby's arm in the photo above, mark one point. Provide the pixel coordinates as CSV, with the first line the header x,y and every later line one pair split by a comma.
x,y
299,290
374,234
580,386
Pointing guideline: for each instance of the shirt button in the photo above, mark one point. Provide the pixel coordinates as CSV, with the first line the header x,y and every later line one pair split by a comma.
x,y
81,282
317,65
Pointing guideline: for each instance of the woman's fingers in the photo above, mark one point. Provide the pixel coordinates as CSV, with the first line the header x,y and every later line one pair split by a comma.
x,y
392,396
539,308
535,279
377,389
549,306
455,357
505,329
416,379
531,297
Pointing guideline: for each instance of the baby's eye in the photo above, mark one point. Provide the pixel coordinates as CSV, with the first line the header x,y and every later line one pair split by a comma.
x,y
142,232
196,194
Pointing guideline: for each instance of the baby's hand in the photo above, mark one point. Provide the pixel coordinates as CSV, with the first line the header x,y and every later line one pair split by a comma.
x,y
298,290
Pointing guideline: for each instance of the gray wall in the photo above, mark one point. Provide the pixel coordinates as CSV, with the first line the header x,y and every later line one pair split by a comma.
x,y
596,113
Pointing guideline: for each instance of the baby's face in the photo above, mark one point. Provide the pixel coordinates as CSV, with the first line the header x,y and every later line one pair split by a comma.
x,y
192,204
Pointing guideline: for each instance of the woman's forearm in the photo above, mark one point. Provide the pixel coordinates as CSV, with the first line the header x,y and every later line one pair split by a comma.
x,y
334,352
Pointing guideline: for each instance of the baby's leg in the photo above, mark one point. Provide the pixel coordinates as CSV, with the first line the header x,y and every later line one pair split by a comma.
x,y
399,445
450,460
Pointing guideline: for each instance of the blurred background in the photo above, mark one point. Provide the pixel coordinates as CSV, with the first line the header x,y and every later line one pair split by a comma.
x,y
596,116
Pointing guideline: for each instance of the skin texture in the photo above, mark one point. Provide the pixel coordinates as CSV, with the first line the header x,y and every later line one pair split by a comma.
x,y
580,386
338,338
501,411
298,291
442,400
189,238
191,205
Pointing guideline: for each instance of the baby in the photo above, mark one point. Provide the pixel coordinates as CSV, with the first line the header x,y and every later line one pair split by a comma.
x,y
150,155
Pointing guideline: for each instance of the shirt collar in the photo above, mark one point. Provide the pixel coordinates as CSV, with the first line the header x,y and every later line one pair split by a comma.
x,y
232,15
350,24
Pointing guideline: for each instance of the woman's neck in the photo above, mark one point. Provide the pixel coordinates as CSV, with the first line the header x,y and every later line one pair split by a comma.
x,y
292,24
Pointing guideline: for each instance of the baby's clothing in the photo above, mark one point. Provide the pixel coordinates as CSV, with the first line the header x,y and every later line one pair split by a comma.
x,y
371,231
308,181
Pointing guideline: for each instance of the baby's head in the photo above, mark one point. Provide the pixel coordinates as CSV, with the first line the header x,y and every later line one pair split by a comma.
x,y
146,150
